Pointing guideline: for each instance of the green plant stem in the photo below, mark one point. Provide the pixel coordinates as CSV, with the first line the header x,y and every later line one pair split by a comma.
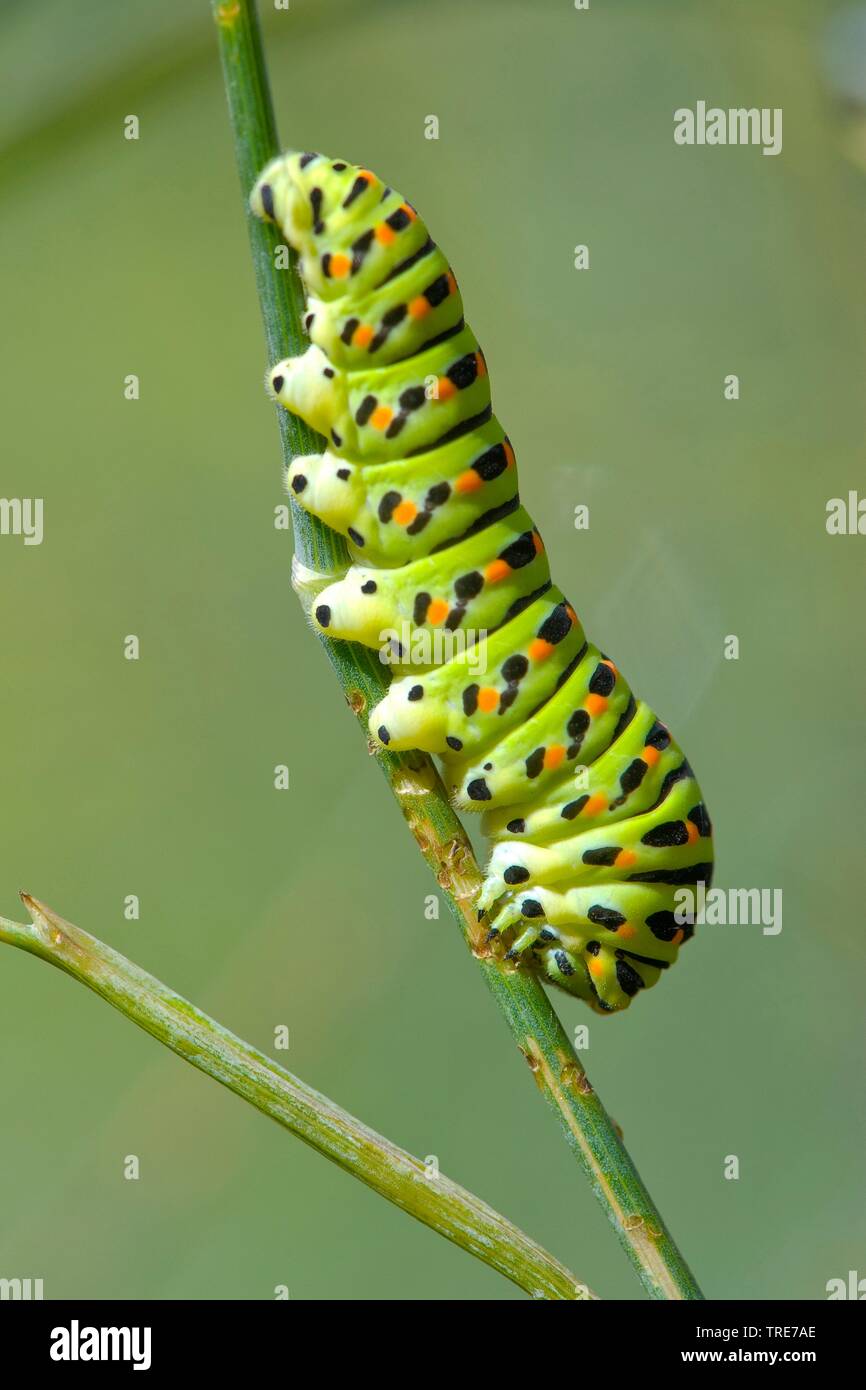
x,y
392,1172
420,793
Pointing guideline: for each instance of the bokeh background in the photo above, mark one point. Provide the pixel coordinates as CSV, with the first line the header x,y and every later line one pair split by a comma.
x,y
306,908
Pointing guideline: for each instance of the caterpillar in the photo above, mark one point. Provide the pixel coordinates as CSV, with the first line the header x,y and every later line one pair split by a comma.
x,y
595,816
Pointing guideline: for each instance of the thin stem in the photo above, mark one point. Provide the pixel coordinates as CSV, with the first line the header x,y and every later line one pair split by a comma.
x,y
436,1201
420,793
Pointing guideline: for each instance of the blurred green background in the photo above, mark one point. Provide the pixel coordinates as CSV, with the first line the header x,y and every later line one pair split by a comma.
x,y
306,908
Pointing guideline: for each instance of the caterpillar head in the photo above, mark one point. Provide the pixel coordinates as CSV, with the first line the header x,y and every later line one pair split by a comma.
x,y
278,196
295,189
315,202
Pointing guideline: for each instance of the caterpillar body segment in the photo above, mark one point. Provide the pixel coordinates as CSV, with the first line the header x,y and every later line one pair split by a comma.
x,y
603,943
395,513
628,778
595,815
371,599
470,712
384,413
602,854
552,748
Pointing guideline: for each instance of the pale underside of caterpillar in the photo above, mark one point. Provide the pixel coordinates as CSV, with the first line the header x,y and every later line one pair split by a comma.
x,y
595,815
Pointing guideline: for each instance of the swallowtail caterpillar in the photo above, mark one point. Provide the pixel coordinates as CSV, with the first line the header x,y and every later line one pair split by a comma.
x,y
420,477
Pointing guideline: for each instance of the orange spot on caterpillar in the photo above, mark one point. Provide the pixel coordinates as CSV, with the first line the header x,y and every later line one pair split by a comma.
x,y
409,211
405,512
368,175
540,650
437,612
650,755
626,931
595,704
362,336
381,417
571,613
384,234
678,936
488,699
480,364
538,543
692,831
496,570
596,966
339,265
594,806
509,455
445,389
625,859
553,756
452,283
470,481
419,306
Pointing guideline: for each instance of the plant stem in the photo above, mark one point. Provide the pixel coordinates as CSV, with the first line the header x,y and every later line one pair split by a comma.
x,y
437,1202
413,778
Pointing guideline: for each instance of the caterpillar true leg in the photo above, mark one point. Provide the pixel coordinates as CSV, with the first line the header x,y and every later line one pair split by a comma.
x,y
597,821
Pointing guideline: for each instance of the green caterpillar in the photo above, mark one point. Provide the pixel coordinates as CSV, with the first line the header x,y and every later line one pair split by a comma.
x,y
595,815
